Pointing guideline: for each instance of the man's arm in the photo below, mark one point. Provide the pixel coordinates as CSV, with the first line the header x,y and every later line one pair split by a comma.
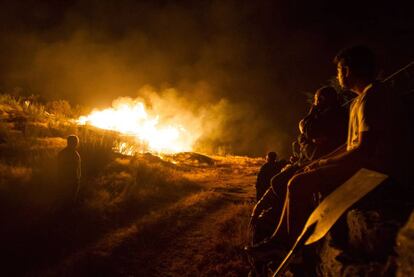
x,y
340,150
337,151
260,177
365,147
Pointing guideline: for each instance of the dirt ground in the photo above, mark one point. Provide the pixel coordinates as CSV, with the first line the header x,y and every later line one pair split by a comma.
x,y
202,234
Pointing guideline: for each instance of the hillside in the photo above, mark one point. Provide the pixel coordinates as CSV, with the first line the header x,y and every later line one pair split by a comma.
x,y
139,215
183,214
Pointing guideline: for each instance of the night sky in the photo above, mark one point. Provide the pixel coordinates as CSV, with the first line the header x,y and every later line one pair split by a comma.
x,y
261,56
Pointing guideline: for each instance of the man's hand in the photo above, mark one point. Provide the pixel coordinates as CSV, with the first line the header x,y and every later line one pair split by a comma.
x,y
319,141
323,162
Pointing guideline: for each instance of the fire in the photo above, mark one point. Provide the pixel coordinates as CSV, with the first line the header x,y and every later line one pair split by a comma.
x,y
130,117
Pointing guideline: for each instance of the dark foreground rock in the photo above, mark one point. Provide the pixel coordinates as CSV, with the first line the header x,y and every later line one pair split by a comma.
x,y
375,238
368,249
405,249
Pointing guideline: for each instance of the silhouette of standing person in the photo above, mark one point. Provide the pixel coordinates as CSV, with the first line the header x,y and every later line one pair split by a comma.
x,y
69,166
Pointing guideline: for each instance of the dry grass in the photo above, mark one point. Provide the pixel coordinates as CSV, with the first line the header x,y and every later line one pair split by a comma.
x,y
130,208
202,228
124,190
114,191
229,236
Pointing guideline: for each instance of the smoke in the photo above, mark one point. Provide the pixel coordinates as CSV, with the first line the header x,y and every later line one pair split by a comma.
x,y
239,65
207,128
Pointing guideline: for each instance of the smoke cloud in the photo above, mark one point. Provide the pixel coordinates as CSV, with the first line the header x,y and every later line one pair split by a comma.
x,y
240,66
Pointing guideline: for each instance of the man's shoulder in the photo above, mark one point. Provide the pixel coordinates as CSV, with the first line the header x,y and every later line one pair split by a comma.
x,y
268,166
377,89
264,166
374,93
68,153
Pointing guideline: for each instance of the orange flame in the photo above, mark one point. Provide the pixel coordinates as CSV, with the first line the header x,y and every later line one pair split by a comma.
x,y
130,117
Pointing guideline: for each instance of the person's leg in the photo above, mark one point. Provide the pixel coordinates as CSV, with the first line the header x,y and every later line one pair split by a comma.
x,y
268,210
261,216
299,204
265,225
259,230
305,188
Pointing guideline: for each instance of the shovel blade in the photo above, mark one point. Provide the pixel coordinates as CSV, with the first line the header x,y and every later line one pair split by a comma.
x,y
336,203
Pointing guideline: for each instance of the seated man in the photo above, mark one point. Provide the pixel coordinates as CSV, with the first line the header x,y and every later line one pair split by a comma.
x,y
378,136
267,171
322,131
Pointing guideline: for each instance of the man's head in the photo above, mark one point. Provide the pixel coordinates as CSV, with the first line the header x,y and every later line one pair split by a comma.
x,y
356,67
72,141
325,97
271,157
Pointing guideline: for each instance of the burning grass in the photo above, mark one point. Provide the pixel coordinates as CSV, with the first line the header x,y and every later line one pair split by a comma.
x,y
128,204
131,117
113,191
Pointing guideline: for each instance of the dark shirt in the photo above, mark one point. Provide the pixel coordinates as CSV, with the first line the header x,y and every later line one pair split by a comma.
x,y
381,113
69,163
267,171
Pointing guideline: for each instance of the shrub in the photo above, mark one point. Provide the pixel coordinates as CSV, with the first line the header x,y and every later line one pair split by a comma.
x,y
60,108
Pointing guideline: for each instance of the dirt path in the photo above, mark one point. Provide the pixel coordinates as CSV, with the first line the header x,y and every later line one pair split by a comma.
x,y
200,235
196,252
213,244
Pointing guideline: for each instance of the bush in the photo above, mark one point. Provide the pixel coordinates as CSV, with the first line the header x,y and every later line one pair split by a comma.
x,y
60,108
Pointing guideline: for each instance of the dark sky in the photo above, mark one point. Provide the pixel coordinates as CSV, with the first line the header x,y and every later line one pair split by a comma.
x,y
261,56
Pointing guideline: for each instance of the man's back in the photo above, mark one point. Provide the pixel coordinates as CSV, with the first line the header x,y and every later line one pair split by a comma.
x,y
267,171
69,165
381,113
